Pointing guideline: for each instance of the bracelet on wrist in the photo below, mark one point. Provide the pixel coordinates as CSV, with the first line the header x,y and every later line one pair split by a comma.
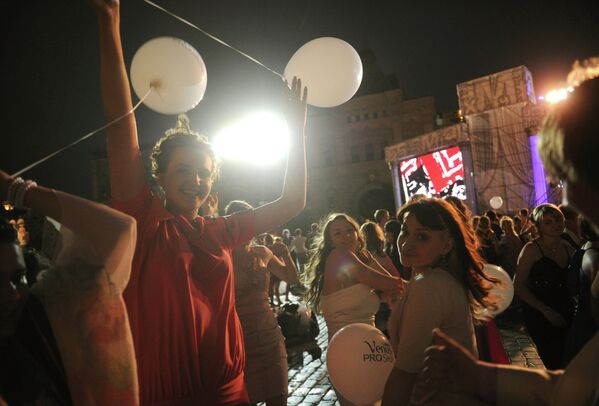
x,y
12,189
17,190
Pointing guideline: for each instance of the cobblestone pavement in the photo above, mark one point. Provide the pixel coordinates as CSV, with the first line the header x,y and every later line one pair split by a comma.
x,y
517,343
309,383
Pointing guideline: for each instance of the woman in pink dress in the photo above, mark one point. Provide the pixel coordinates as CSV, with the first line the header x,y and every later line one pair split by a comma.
x,y
265,353
180,300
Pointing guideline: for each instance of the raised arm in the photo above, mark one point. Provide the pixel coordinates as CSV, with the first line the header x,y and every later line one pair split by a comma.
x,y
293,198
124,159
109,232
285,270
347,262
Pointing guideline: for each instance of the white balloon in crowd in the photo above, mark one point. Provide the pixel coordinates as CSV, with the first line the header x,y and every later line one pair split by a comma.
x,y
330,68
496,202
175,69
359,361
502,291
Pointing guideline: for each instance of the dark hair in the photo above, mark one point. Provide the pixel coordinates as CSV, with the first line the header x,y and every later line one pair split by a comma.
x,y
465,263
415,197
568,143
8,234
374,238
545,209
321,248
269,239
163,150
379,214
236,206
460,205
298,231
491,215
587,231
393,227
485,220
523,212
568,213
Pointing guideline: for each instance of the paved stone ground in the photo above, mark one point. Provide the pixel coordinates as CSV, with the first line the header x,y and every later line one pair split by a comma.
x,y
309,383
517,343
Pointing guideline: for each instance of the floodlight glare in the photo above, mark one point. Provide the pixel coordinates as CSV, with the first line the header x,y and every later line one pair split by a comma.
x,y
260,139
557,95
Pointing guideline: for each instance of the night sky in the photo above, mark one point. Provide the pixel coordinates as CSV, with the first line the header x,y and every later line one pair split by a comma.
x,y
51,77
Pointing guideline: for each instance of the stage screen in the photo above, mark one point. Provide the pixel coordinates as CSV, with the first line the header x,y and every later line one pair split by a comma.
x,y
438,174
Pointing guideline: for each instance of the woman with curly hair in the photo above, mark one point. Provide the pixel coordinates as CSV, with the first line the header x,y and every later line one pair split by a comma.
x,y
343,276
180,299
447,290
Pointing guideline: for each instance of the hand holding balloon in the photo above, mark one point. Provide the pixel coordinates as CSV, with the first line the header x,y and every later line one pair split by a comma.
x,y
295,107
330,67
105,7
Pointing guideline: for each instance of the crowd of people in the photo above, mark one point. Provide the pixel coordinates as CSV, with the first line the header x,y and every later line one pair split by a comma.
x,y
149,302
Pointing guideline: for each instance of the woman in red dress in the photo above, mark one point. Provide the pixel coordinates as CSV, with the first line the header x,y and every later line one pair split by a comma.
x,y
180,298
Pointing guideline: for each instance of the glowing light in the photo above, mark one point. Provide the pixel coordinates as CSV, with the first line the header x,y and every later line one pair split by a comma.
x,y
538,172
260,139
7,206
558,95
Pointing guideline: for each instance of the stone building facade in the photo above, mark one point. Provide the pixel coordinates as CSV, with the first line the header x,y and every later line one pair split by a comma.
x,y
346,151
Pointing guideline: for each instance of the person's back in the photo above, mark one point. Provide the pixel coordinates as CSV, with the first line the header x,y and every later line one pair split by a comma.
x,y
509,246
586,319
32,369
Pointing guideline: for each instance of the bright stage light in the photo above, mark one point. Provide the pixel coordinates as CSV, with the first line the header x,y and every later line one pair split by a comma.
x,y
558,95
260,139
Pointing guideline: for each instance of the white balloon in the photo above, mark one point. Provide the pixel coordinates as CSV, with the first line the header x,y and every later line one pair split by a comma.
x,y
330,68
502,291
496,202
176,70
359,360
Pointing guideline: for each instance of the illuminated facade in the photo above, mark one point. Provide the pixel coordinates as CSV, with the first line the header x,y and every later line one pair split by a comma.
x,y
500,116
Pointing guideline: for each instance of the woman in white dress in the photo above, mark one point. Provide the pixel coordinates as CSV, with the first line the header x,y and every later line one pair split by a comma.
x,y
343,277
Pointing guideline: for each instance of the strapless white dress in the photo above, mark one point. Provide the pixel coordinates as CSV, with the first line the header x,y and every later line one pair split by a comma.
x,y
355,304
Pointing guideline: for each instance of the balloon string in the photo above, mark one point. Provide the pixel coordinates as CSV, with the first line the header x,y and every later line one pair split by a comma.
x,y
86,136
215,38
